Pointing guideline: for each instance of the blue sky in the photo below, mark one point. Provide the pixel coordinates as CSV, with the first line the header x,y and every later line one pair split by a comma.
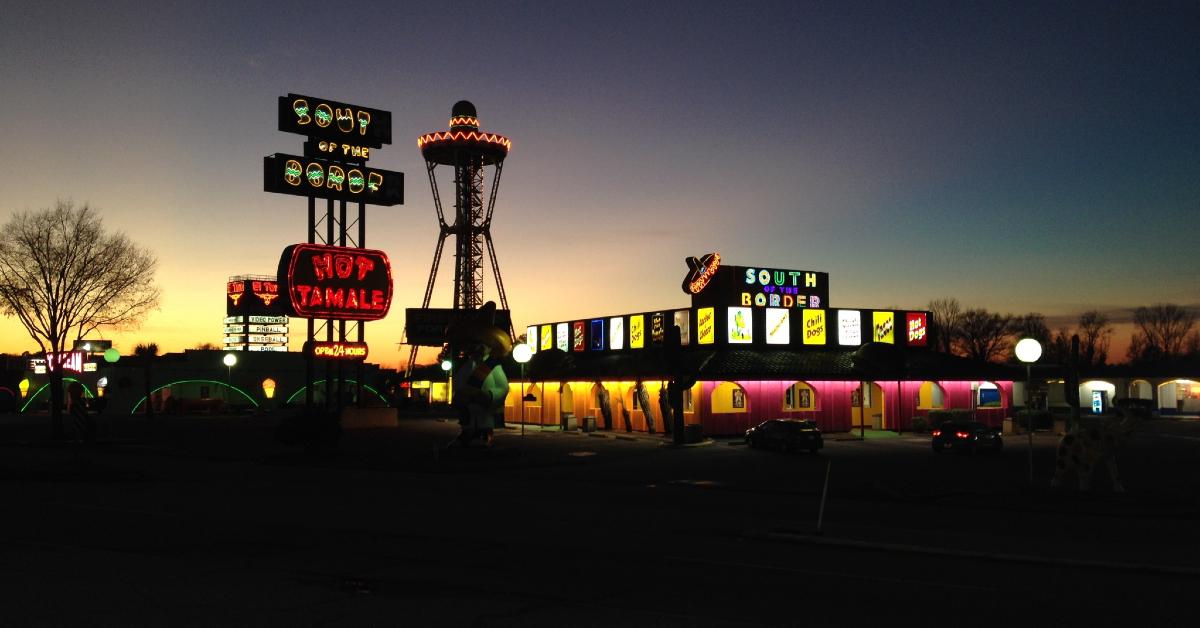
x,y
1032,157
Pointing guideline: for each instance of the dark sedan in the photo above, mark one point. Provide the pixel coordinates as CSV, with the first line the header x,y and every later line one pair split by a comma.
x,y
786,435
967,436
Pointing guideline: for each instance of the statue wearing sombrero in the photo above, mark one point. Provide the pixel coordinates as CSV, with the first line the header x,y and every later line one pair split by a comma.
x,y
480,385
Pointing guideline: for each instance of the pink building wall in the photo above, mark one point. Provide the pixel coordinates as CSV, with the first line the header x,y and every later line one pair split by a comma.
x,y
764,400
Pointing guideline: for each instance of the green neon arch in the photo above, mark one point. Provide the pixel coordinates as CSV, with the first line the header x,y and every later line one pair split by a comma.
x,y
194,381
352,381
87,392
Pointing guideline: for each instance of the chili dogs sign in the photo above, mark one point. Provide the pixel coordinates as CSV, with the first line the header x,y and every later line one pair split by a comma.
x,y
335,282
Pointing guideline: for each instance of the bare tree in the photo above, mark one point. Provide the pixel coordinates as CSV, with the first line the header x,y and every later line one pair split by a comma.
x,y
983,335
63,276
946,315
1095,335
1161,332
1032,325
207,346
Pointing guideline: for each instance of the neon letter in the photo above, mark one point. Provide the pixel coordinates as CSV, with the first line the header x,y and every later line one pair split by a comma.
x,y
292,172
365,265
315,174
356,180
364,119
374,180
300,106
336,176
345,119
324,115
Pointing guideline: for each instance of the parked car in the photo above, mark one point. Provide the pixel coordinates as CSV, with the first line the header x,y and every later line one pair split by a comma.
x,y
786,435
968,436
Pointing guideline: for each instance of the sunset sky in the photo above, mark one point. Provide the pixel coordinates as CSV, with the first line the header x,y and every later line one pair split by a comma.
x,y
1038,159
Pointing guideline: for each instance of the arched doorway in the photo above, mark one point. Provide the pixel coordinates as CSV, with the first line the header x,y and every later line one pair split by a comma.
x,y
600,405
1140,389
1179,396
566,402
800,397
868,410
729,397
931,396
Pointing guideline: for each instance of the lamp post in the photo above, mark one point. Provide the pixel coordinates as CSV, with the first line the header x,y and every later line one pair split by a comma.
x,y
1028,350
522,353
446,366
229,360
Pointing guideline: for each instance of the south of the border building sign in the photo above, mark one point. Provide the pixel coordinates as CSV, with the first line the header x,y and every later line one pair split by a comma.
x,y
335,282
323,178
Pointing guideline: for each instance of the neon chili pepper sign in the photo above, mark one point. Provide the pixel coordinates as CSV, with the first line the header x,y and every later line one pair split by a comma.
x,y
335,282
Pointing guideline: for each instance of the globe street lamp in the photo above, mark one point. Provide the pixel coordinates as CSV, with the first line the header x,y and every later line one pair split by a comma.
x,y
229,360
1028,350
446,366
522,353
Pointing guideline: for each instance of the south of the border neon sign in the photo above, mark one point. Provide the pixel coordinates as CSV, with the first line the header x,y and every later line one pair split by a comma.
x,y
335,282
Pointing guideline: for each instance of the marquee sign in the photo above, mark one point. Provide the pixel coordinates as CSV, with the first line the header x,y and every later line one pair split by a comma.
x,y
323,178
711,283
336,350
251,296
335,282
330,120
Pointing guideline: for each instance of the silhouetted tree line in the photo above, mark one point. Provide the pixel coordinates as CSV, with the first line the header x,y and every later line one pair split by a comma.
x,y
1164,332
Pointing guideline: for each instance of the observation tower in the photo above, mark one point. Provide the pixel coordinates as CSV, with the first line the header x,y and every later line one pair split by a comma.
x,y
469,152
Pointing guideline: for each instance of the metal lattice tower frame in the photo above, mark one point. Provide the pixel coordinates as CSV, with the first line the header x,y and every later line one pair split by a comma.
x,y
469,151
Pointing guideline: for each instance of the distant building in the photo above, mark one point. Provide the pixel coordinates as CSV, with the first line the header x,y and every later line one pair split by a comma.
x,y
254,320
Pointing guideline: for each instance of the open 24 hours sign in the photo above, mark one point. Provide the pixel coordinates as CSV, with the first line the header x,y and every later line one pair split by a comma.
x,y
335,282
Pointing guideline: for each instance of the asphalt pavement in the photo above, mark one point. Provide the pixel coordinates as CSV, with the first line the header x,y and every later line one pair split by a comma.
x,y
211,521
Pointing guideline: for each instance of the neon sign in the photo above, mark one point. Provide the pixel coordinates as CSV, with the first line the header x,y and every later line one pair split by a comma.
x,y
778,326
335,282
336,350
701,271
706,325
765,287
577,342
561,333
315,176
637,331
849,327
616,333
329,149
814,327
597,334
741,324
918,327
884,327
331,120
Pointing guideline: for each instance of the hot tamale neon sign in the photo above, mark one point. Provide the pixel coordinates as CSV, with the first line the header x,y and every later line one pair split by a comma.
x,y
335,282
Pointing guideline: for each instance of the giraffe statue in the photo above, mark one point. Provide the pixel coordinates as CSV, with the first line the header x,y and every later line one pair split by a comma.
x,y
1089,443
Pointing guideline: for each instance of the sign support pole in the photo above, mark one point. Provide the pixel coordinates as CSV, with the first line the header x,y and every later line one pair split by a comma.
x,y
308,359
362,242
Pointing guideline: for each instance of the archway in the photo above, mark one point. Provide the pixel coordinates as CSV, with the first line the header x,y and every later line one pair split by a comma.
x,y
800,397
1179,396
205,382
87,392
319,394
566,400
729,397
1089,388
931,396
1141,389
869,407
